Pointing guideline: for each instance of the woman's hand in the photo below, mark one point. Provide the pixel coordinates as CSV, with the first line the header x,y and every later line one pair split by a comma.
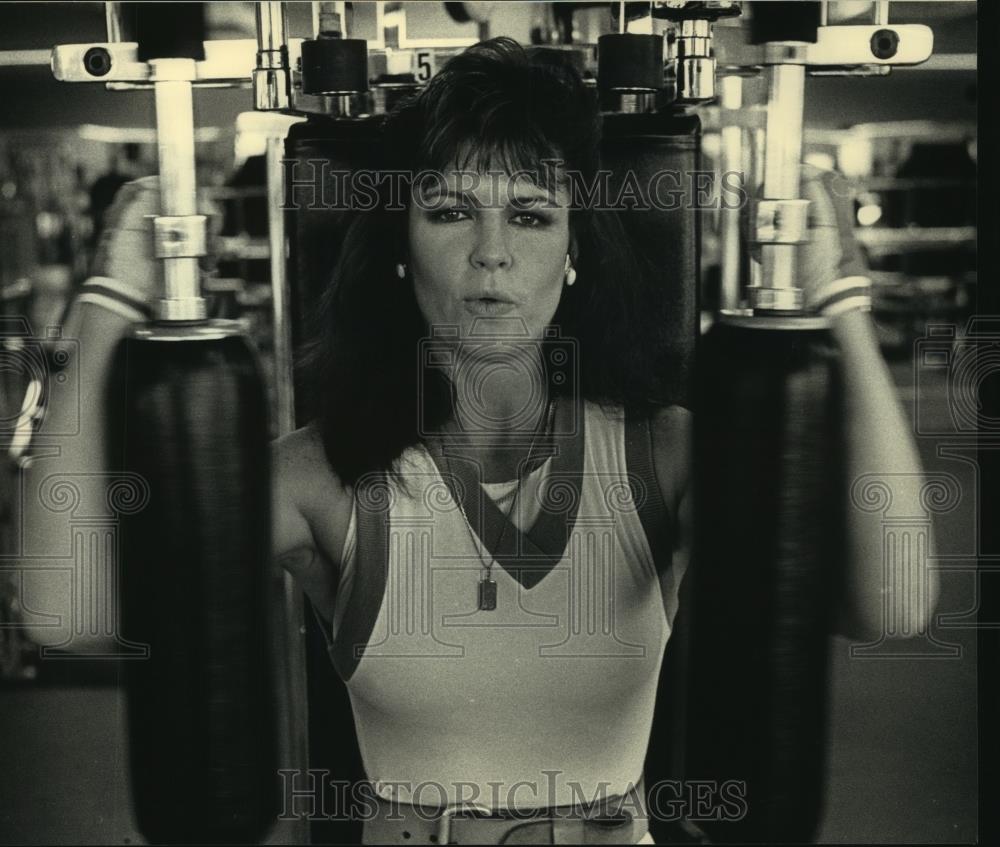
x,y
830,268
125,250
832,271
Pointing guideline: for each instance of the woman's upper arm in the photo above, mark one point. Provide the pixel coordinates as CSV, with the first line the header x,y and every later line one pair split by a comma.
x,y
671,431
289,528
310,515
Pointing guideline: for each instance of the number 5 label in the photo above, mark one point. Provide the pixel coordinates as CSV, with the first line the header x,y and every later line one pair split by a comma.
x,y
423,65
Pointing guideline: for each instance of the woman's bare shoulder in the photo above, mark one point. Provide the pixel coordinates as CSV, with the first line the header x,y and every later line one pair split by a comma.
x,y
301,459
300,449
305,479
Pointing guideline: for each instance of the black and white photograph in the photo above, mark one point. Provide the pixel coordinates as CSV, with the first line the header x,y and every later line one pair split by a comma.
x,y
498,423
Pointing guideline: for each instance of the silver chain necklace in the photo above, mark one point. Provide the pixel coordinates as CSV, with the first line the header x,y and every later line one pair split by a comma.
x,y
487,589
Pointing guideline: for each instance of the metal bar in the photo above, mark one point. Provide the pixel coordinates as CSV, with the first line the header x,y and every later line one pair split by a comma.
x,y
379,42
172,88
328,18
756,158
24,58
271,77
729,219
947,62
785,93
293,703
782,155
881,12
271,28
113,21
281,288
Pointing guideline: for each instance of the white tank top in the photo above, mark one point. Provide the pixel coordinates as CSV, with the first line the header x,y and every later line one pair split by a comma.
x,y
547,699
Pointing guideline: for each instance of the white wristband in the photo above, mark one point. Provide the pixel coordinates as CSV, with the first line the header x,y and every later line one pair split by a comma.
x,y
112,295
847,294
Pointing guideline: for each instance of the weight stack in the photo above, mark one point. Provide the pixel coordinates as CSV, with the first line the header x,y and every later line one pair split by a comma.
x,y
195,580
768,546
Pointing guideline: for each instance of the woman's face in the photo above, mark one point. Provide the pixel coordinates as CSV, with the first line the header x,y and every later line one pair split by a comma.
x,y
487,253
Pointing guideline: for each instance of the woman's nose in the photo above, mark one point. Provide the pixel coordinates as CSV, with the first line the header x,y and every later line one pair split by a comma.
x,y
491,251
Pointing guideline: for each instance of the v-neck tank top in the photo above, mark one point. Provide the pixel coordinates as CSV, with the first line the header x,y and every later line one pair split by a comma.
x,y
545,700
521,502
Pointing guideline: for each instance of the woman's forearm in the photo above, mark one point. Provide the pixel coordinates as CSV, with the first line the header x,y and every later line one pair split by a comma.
x,y
54,574
880,445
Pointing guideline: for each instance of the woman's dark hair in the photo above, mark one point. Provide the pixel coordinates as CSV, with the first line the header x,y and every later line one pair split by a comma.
x,y
494,106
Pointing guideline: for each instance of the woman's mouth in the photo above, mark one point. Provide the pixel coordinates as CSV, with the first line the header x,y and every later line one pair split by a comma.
x,y
488,306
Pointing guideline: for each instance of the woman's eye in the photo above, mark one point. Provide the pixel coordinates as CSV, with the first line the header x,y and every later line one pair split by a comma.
x,y
529,219
449,215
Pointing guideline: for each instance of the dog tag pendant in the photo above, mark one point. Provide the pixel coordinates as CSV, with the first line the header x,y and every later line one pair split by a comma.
x,y
487,594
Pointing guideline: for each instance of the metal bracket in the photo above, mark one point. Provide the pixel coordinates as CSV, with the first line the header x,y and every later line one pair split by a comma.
x,y
227,63
775,299
178,236
908,44
867,49
781,222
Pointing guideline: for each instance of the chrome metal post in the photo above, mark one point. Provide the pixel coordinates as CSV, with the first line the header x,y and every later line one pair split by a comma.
x,y
293,704
781,211
280,287
179,232
782,155
271,77
113,21
729,219
329,18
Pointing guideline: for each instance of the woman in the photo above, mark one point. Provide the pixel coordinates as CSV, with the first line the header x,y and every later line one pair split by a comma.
x,y
466,657
452,513
446,690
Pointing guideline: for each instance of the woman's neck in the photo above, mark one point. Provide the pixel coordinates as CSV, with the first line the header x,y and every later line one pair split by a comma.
x,y
499,423
496,404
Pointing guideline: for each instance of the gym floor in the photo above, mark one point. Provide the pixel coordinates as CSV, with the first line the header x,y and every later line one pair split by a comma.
x,y
902,762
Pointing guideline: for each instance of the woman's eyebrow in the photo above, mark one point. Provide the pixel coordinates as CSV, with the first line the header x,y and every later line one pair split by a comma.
x,y
547,196
435,192
536,194
522,196
532,189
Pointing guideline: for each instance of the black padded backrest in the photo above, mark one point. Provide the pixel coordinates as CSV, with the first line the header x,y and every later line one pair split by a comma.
x,y
667,238
665,231
316,151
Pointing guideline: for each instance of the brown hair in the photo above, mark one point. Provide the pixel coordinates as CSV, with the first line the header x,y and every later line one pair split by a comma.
x,y
496,105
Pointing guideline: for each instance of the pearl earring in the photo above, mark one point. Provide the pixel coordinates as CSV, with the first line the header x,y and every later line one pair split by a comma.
x,y
401,270
570,271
